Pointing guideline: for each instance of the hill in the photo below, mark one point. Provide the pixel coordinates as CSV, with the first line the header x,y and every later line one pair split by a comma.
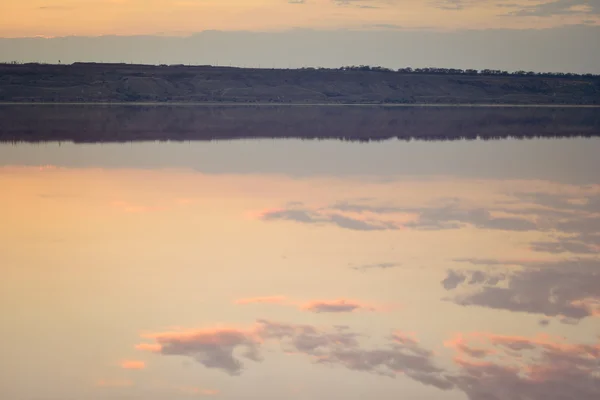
x,y
90,82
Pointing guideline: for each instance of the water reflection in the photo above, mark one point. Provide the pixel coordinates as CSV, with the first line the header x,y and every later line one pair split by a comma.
x,y
101,124
124,280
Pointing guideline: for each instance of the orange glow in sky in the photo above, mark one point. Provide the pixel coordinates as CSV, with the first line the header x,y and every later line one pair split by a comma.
x,y
182,17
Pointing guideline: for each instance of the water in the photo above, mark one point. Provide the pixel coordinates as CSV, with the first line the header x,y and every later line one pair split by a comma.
x,y
300,270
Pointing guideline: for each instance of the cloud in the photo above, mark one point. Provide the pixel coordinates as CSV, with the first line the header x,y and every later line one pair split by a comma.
x,y
568,288
315,306
573,221
335,306
132,364
453,279
323,217
225,349
453,217
152,347
559,7
533,368
451,4
486,365
385,265
448,216
212,348
368,4
436,218
459,343
564,245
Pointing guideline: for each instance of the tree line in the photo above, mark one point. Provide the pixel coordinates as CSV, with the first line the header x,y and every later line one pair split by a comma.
x,y
405,70
458,71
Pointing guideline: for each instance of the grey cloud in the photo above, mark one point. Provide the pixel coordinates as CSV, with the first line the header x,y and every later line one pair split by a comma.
x,y
386,265
573,221
578,220
360,208
558,7
562,202
563,246
401,355
453,279
224,349
453,217
323,217
551,371
576,223
357,3
306,338
567,289
450,4
449,216
554,371
214,349
332,307
481,261
355,224
297,215
477,277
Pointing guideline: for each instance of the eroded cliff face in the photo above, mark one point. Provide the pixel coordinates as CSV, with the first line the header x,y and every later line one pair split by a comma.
x,y
88,82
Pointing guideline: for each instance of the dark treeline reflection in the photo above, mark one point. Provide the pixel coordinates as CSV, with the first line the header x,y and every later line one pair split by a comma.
x,y
356,123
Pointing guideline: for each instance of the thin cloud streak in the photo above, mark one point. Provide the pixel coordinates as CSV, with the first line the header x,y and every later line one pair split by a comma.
x,y
315,306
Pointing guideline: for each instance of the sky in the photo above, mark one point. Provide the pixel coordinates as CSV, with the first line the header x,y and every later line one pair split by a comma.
x,y
182,17
557,35
136,271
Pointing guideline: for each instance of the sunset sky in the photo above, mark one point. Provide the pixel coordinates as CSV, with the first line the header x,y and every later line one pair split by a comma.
x,y
538,35
28,18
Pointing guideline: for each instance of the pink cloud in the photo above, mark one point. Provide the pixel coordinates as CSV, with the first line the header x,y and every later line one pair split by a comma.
x,y
459,343
151,347
47,167
224,348
132,364
537,367
215,345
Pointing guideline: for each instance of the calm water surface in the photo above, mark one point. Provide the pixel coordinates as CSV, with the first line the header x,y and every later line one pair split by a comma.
x,y
286,269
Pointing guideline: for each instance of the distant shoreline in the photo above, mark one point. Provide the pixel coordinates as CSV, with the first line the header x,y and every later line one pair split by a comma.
x,y
233,104
150,85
